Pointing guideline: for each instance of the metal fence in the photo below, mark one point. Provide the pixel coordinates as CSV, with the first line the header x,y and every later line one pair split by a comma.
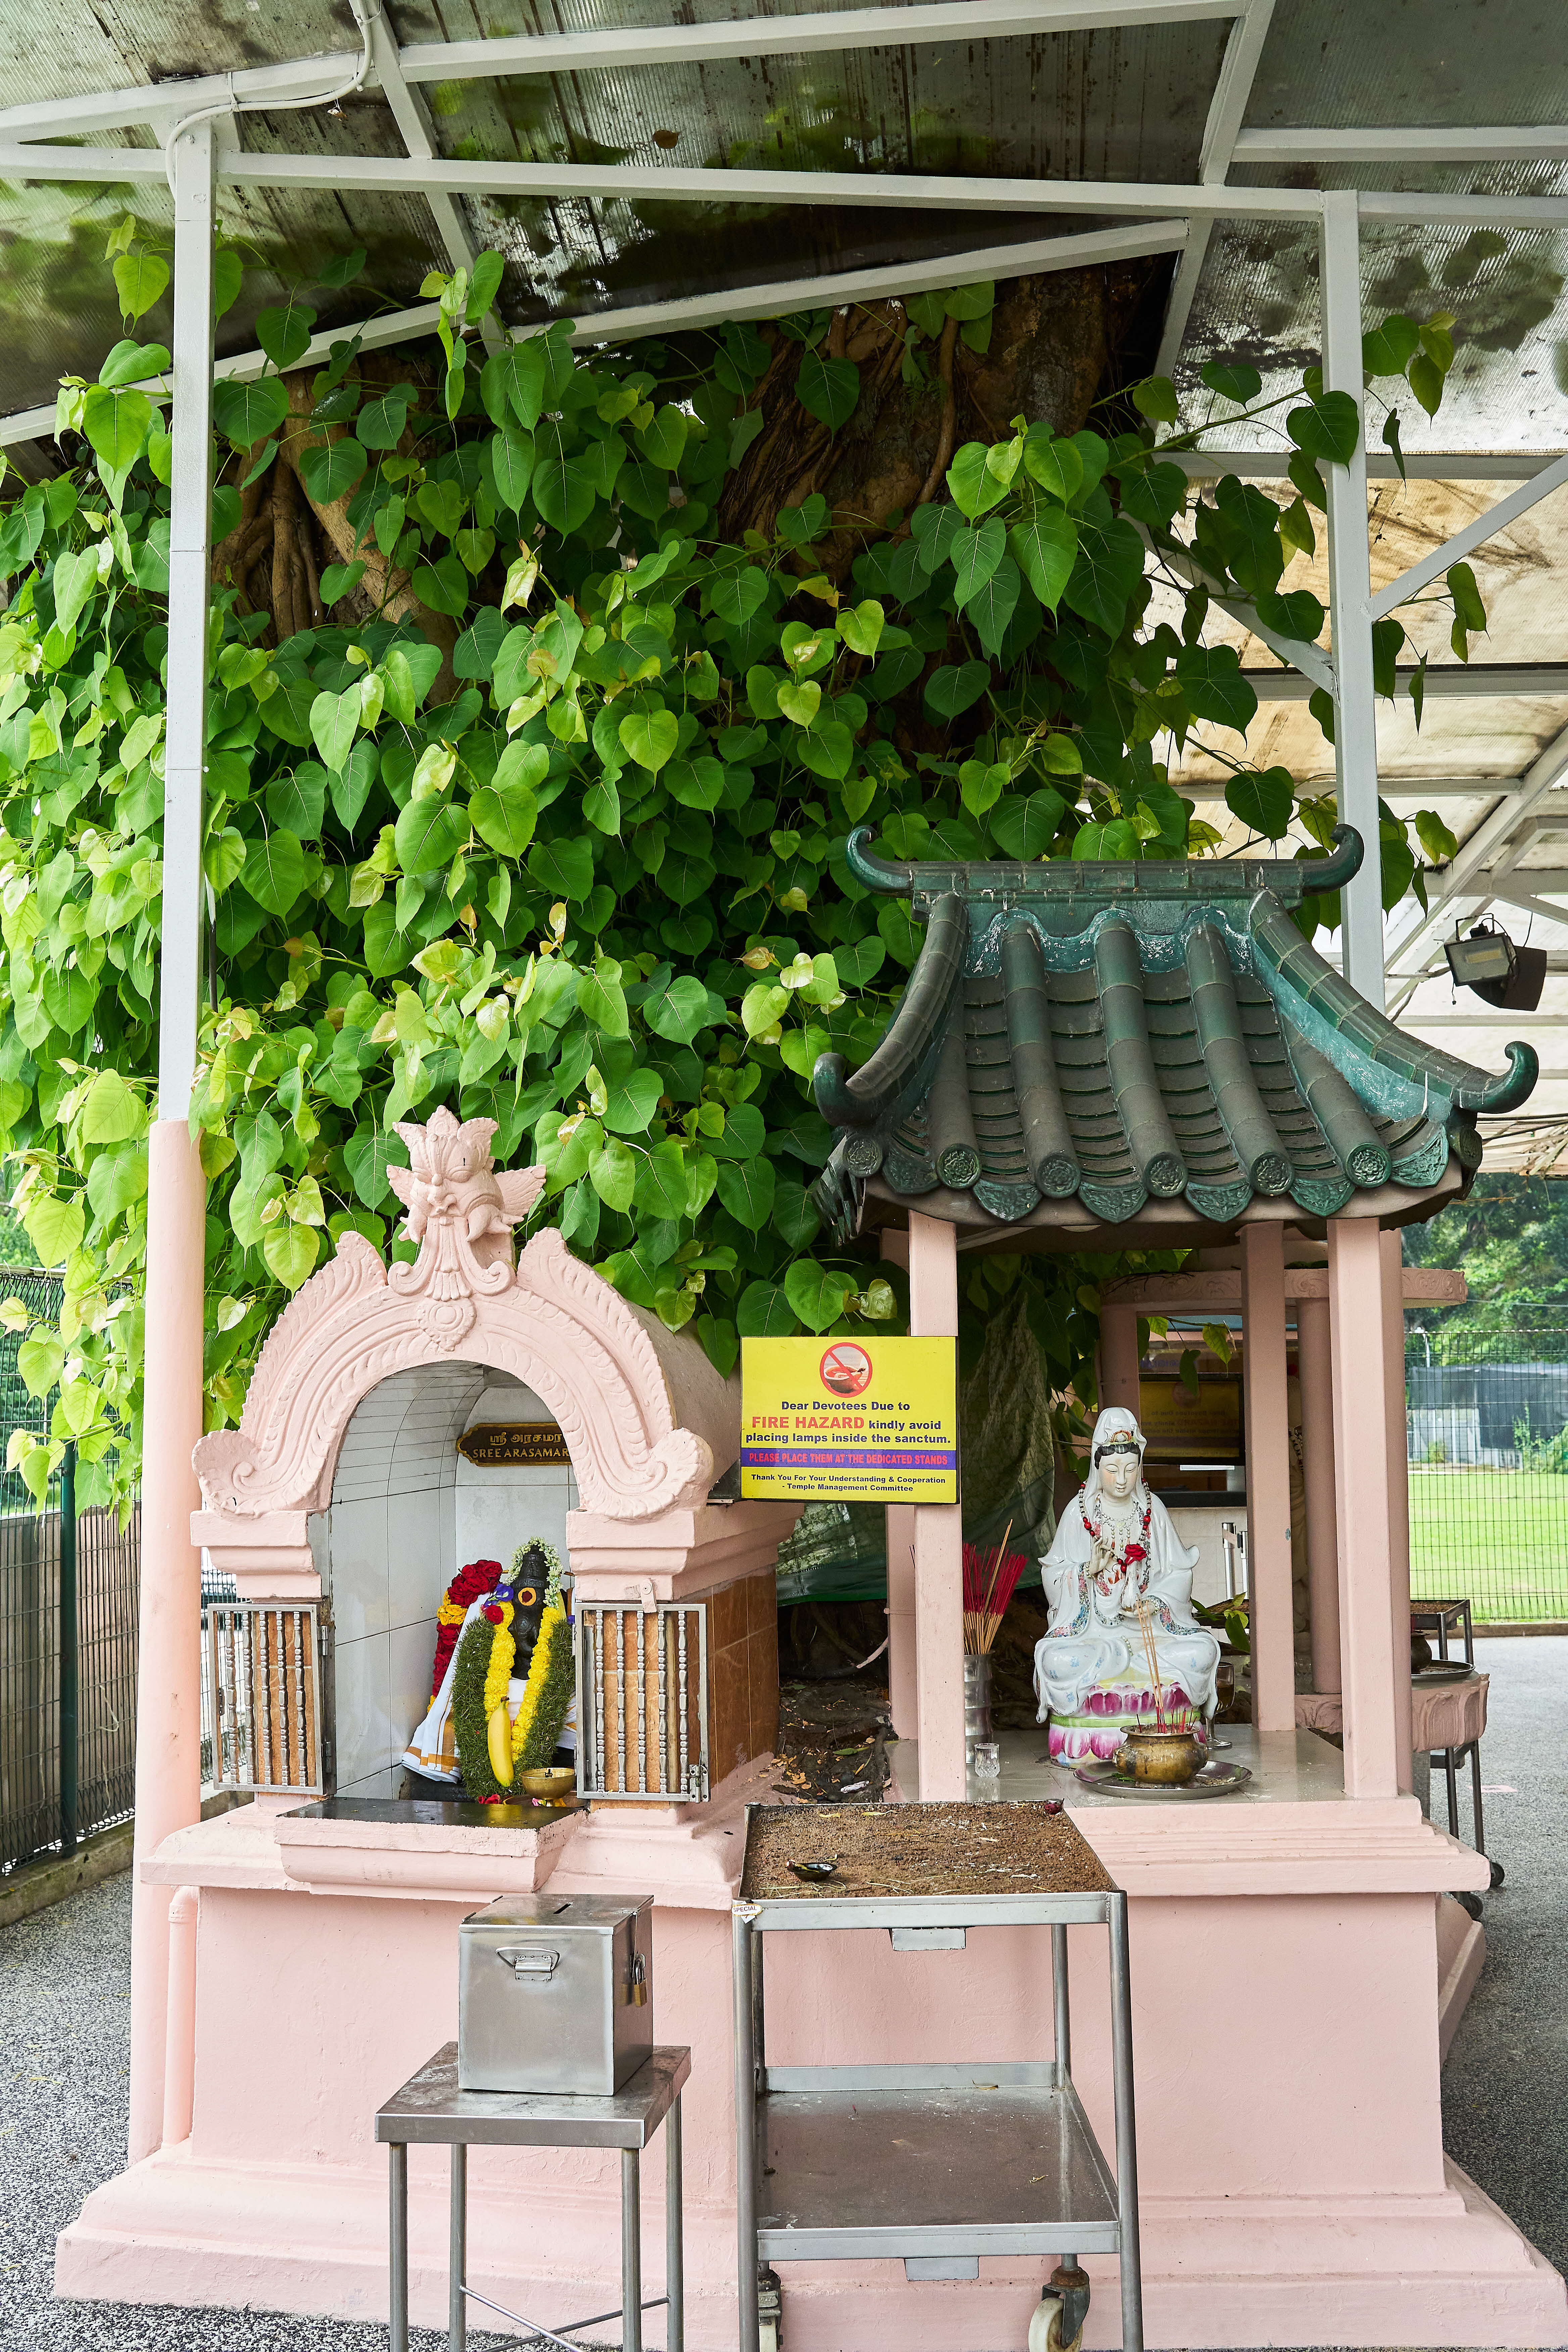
x,y
69,1583
1488,1436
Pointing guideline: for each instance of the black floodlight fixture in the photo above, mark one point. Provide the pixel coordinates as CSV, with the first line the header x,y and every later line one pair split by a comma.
x,y
1490,964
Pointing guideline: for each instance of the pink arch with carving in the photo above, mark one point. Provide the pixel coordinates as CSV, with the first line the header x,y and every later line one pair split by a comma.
x,y
648,1421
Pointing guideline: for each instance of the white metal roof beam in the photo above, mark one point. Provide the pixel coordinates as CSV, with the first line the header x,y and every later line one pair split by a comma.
x,y
1474,679
1546,881
114,110
607,50
1428,464
1462,879
1475,534
1031,259
1312,662
1238,72
887,191
1501,144
413,119
604,49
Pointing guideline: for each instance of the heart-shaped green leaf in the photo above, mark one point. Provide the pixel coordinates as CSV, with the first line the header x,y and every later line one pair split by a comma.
x,y
511,463
1025,828
746,1189
650,738
285,334
1045,549
981,786
800,700
860,627
738,594
274,871
613,1174
1056,464
139,280
818,1296
334,722
828,389
249,412
339,579
975,487
117,424
331,469
950,691
1265,801
1118,839
1327,428
430,832
76,577
113,1112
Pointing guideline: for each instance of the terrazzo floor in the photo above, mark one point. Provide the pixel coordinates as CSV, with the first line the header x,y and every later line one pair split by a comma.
x,y
65,2013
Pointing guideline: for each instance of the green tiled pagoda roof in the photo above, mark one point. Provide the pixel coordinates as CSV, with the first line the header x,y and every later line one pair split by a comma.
x,y
1081,1039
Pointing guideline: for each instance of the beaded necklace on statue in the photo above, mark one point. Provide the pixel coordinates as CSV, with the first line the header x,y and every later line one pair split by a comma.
x,y
1123,1554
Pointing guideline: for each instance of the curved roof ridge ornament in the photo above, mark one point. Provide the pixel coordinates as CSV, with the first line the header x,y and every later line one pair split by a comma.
x,y
1019,880
905,1060
1509,1087
876,872
1341,865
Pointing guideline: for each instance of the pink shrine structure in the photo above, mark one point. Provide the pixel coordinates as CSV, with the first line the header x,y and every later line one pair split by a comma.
x,y
1296,1963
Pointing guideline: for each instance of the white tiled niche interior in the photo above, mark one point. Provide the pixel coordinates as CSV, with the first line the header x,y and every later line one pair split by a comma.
x,y
407,1511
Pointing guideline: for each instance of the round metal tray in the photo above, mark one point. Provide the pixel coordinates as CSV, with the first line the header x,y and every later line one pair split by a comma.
x,y
1214,1781
1444,1670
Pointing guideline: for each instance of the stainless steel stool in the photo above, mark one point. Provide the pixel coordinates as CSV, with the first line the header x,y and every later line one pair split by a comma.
x,y
430,2107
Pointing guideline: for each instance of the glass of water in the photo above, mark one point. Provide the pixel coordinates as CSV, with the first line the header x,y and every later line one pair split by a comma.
x,y
987,1760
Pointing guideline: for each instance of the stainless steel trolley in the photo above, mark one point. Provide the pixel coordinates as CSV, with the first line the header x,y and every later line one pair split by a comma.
x,y
430,2106
936,2163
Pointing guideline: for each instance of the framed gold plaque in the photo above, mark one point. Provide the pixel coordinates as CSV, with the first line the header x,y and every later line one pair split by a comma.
x,y
515,1445
1181,1427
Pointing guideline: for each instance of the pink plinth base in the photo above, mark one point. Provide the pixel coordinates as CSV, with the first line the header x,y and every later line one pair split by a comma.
x,y
1447,2269
1309,2203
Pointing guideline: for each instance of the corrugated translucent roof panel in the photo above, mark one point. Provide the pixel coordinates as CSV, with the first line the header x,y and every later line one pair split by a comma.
x,y
1443,62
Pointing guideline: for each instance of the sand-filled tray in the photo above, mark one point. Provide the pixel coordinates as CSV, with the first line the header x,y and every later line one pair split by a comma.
x,y
995,1849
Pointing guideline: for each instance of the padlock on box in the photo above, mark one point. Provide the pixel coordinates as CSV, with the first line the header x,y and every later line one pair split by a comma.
x,y
555,1993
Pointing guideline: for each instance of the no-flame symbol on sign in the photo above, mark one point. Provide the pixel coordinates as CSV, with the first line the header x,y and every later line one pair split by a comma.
x,y
846,1369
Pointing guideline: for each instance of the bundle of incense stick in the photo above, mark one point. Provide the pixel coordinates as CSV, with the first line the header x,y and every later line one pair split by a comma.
x,y
1152,1655
989,1578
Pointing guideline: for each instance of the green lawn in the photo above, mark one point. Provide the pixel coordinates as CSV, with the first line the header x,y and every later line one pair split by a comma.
x,y
1499,1536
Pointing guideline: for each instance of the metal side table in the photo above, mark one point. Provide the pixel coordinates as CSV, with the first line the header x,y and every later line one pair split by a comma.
x,y
430,2107
936,2163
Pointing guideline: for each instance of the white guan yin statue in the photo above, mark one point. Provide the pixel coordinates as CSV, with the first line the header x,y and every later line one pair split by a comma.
x,y
1115,1546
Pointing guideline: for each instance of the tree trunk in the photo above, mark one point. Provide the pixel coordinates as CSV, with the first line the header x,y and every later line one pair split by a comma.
x,y
1056,343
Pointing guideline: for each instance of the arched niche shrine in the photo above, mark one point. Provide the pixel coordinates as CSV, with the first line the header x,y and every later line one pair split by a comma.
x,y
342,1492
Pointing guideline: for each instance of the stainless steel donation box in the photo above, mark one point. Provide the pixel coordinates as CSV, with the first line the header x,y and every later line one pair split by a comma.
x,y
555,1993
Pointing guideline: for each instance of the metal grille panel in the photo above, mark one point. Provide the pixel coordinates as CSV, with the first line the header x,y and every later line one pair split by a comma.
x,y
261,1685
642,1709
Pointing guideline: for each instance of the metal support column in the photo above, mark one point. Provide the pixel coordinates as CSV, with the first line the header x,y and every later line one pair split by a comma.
x,y
631,2250
457,2251
397,2246
168,1746
744,1983
674,2238
1349,597
1126,2127
68,1733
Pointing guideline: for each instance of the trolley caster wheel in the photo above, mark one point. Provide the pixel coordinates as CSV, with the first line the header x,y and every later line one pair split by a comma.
x,y
770,2311
1047,2323
1059,2316
1470,1903
1497,1871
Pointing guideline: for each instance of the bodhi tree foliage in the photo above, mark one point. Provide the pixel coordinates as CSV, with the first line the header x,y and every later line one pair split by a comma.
x,y
544,690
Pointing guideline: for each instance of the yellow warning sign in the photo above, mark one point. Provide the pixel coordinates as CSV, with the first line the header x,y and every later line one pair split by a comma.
x,y
864,1421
